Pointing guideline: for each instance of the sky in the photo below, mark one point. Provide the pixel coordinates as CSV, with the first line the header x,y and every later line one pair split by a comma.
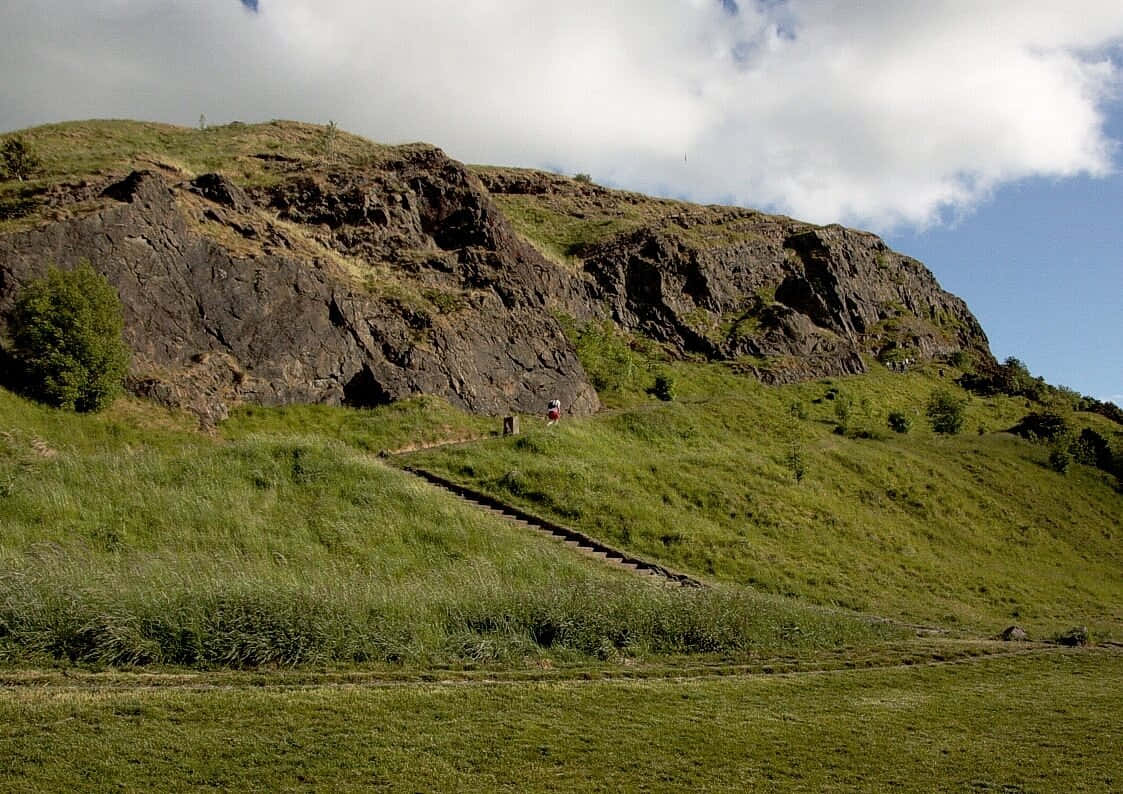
x,y
983,137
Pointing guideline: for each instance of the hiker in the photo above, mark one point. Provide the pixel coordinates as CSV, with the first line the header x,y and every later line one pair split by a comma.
x,y
553,411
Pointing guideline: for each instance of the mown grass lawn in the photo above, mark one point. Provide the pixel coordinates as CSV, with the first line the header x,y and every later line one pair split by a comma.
x,y
1041,722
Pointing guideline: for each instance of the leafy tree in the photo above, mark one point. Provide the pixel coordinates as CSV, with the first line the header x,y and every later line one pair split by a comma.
x,y
946,412
66,333
17,159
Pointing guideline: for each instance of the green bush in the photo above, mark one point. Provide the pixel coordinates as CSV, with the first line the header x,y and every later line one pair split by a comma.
x,y
899,422
17,159
1045,426
610,362
664,387
796,461
1092,449
961,360
843,409
945,412
1059,461
66,333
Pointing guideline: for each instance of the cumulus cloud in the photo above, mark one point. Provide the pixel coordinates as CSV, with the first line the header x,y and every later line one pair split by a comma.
x,y
879,113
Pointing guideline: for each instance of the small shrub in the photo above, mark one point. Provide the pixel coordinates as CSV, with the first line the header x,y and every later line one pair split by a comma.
x,y
899,422
961,360
796,462
798,409
843,408
1092,449
1045,426
331,132
17,159
583,178
610,362
1077,635
664,387
66,332
945,412
1059,461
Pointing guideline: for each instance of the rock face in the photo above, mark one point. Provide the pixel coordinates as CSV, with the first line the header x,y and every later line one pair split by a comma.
x,y
788,300
225,301
364,284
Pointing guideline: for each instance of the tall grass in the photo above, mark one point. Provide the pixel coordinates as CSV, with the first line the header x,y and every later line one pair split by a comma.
x,y
973,530
145,543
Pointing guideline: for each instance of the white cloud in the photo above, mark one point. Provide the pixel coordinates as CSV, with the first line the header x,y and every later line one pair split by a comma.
x,y
877,113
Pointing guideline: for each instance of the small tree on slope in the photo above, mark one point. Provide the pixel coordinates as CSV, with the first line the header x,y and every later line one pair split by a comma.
x,y
66,331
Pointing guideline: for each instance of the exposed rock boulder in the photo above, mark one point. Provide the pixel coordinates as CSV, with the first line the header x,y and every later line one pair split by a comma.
x,y
1014,634
803,301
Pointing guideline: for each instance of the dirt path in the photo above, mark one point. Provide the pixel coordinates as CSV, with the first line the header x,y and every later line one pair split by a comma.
x,y
55,682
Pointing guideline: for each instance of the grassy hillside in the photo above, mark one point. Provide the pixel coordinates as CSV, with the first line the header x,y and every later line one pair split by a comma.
x,y
82,153
129,539
753,485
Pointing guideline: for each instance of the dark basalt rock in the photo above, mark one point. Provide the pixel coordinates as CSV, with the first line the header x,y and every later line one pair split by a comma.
x,y
364,285
209,328
219,189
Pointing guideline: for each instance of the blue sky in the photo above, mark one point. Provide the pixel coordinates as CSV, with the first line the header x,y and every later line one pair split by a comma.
x,y
981,138
1041,266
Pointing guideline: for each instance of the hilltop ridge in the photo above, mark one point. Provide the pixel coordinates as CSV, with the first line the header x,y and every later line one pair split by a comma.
x,y
285,262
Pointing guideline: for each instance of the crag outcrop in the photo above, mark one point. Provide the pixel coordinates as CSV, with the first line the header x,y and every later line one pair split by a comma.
x,y
358,288
786,300
364,283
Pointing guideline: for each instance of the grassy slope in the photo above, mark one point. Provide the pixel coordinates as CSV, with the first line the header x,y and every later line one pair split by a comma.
x,y
110,525
85,152
1036,723
83,149
972,530
130,540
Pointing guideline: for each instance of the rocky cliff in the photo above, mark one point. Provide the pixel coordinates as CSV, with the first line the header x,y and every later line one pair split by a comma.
x,y
784,299
367,279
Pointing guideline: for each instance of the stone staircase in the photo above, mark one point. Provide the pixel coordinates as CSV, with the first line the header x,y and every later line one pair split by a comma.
x,y
571,537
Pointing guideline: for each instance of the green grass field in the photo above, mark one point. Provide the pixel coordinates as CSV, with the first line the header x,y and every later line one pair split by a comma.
x,y
1029,723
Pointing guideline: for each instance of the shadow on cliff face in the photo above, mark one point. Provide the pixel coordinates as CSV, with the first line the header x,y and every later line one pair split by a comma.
x,y
364,391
